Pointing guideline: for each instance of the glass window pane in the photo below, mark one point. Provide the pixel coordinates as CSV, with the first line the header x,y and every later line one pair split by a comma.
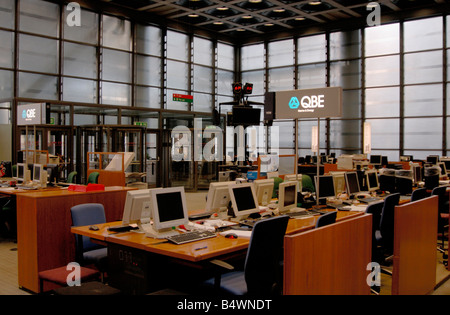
x,y
252,57
257,78
38,54
203,51
38,86
148,97
345,74
392,155
203,79
202,102
178,46
351,104
116,66
116,94
80,60
385,133
425,100
148,70
312,49
87,32
345,134
177,75
286,133
281,79
423,34
312,76
423,133
7,9
345,45
6,84
224,82
423,67
382,40
77,90
7,49
382,71
39,17
281,53
305,133
116,32
225,56
382,102
148,40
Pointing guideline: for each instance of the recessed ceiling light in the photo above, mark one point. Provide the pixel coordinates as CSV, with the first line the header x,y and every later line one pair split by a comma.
x,y
222,8
240,29
279,10
218,23
315,2
193,15
268,24
300,18
247,17
255,1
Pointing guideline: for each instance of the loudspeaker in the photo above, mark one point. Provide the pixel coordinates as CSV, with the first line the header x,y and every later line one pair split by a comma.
x,y
269,106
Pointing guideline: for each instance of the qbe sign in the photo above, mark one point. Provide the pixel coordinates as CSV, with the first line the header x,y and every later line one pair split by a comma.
x,y
31,114
311,103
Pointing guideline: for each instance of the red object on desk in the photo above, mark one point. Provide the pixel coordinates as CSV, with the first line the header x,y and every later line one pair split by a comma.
x,y
89,187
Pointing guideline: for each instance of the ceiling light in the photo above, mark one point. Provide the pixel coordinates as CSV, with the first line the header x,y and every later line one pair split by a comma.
x,y
255,1
247,17
193,15
300,18
268,24
218,23
279,10
240,29
222,8
315,2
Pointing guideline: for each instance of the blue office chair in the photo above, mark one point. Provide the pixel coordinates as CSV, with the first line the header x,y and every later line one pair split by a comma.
x,y
261,274
86,251
418,194
325,219
385,238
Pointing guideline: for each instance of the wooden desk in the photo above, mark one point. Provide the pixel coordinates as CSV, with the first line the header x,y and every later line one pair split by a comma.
x,y
44,240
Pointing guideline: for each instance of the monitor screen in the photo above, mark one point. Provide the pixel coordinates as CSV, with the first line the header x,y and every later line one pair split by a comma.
x,y
372,181
264,190
137,207
37,168
375,159
20,172
287,196
443,168
326,186
268,163
218,197
433,159
352,182
243,199
295,177
246,116
417,171
169,207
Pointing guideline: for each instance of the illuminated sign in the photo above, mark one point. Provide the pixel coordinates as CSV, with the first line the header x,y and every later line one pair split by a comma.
x,y
31,114
311,103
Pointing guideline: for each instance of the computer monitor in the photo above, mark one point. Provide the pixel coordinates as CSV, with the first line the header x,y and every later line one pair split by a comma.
x,y
287,164
268,163
243,200
417,173
433,159
443,169
325,183
295,177
37,172
372,181
287,196
22,174
168,211
376,160
53,175
339,182
404,185
264,190
352,183
218,197
137,207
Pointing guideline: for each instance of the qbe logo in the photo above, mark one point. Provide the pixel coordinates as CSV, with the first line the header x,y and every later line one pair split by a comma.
x,y
308,103
29,114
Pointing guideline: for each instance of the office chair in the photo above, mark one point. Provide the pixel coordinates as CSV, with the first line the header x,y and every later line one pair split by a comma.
x,y
443,216
307,183
431,181
325,219
93,178
261,275
71,177
418,194
375,210
386,236
86,251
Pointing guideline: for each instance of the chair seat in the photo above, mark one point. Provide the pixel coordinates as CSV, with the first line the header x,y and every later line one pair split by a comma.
x,y
59,275
88,288
232,283
96,255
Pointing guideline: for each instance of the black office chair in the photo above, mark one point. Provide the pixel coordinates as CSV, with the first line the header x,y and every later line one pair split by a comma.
x,y
431,181
443,206
385,238
418,194
325,219
375,210
86,251
261,274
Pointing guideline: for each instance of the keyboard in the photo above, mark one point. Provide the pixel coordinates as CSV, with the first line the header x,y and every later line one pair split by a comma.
x,y
369,200
191,236
27,187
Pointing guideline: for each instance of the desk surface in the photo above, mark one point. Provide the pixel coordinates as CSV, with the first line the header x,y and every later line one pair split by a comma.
x,y
194,251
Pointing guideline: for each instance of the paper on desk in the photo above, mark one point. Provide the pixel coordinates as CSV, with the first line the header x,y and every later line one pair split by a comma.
x,y
239,233
358,207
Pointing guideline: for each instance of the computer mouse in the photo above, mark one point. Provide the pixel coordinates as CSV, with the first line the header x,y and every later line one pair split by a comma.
x,y
232,236
93,228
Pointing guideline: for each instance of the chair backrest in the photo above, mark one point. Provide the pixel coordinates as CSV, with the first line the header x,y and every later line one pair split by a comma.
x,y
71,177
387,221
93,178
276,184
327,218
418,194
431,181
265,252
87,214
307,183
375,210
443,200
